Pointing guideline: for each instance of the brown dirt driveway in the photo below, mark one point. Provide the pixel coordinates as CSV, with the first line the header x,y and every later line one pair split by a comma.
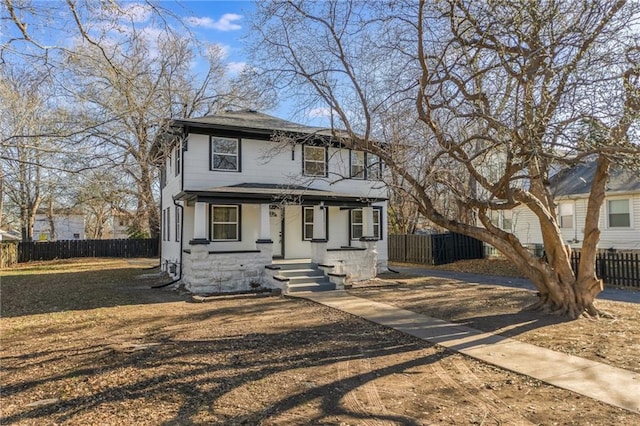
x,y
87,342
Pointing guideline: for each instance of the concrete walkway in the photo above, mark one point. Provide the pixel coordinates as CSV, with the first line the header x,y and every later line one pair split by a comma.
x,y
615,386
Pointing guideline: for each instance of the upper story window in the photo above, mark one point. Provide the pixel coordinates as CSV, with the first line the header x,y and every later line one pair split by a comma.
x,y
225,154
357,164
374,167
565,215
314,160
225,223
178,159
619,214
365,165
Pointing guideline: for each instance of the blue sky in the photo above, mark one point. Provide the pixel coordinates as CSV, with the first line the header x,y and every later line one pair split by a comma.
x,y
222,22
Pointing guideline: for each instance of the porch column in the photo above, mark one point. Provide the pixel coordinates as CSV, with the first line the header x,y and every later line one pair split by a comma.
x,y
367,222
265,227
319,224
200,224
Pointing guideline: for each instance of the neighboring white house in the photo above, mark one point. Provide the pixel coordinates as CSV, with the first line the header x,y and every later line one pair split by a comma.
x,y
619,215
234,199
67,225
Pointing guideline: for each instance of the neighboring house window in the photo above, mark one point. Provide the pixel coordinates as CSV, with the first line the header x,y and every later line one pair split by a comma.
x,y
357,164
565,215
178,223
178,159
225,154
619,216
315,161
374,167
307,223
357,224
225,223
507,220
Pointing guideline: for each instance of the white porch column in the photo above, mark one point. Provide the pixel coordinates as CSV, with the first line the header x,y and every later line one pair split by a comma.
x,y
367,222
265,227
200,222
319,224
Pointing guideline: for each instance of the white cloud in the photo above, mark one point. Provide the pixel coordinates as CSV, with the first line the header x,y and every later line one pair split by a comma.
x,y
137,12
319,112
225,23
235,68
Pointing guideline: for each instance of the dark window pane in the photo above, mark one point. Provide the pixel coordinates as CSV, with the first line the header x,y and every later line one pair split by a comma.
x,y
225,232
225,162
621,220
225,146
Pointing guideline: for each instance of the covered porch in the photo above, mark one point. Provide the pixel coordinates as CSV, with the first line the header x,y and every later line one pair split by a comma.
x,y
235,233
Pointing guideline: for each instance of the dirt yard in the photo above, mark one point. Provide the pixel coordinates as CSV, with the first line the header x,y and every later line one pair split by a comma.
x,y
88,342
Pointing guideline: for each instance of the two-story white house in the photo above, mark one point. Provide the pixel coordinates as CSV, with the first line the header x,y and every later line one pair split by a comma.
x,y
252,200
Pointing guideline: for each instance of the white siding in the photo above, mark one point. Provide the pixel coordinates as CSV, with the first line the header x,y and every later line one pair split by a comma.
x,y
268,162
527,227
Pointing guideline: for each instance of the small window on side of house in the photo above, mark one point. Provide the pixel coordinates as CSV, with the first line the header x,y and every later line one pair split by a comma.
x,y
565,215
619,213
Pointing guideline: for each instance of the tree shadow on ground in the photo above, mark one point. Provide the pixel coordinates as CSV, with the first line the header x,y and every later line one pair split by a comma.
x,y
201,372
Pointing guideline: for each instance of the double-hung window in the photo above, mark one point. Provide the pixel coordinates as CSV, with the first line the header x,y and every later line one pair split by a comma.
x,y
225,154
565,215
307,223
225,223
619,213
315,161
357,224
365,165
178,159
357,164
374,167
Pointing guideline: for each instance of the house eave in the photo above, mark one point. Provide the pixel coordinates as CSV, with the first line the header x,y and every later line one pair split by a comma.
x,y
248,195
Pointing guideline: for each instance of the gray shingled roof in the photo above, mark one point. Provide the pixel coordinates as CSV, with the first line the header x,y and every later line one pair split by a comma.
x,y
254,120
577,180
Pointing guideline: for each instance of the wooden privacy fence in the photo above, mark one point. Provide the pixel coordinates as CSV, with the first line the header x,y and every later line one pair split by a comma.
x,y
617,269
434,249
49,250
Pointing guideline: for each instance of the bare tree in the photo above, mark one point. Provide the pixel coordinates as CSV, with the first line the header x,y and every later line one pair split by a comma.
x,y
503,90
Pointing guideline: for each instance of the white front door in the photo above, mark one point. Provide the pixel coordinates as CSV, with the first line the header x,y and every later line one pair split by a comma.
x,y
275,229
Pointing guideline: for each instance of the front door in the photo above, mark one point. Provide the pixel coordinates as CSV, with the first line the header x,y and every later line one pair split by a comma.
x,y
275,228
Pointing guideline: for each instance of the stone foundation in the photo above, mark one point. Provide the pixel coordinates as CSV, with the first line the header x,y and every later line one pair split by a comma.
x,y
224,272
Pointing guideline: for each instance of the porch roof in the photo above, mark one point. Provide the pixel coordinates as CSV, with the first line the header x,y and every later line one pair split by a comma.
x,y
256,193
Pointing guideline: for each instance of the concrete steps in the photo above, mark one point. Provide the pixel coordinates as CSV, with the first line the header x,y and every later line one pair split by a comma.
x,y
303,277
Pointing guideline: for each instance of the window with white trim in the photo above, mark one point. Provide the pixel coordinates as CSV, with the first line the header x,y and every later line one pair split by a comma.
x,y
315,160
357,223
619,213
225,154
178,160
178,233
357,164
307,223
374,167
565,215
225,223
